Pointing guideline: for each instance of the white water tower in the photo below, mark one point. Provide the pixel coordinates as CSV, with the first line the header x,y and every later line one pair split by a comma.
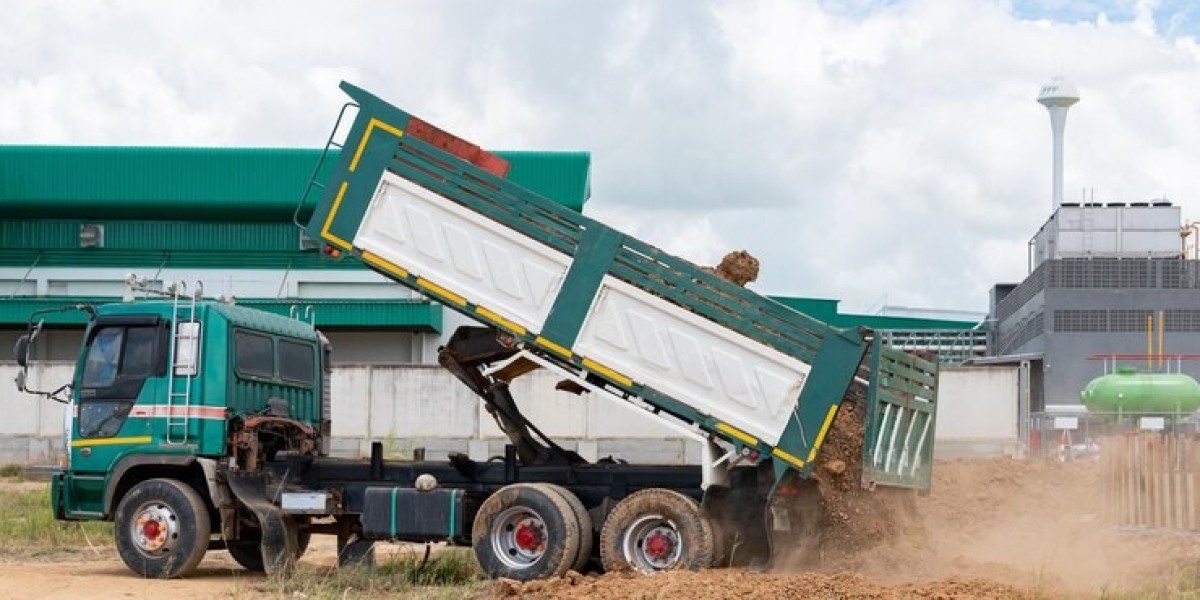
x,y
1057,96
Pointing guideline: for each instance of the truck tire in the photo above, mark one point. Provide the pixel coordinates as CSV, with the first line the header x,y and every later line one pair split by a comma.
x,y
248,553
525,531
161,528
587,534
654,530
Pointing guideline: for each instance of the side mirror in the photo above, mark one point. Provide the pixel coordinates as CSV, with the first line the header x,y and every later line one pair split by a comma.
x,y
21,381
21,351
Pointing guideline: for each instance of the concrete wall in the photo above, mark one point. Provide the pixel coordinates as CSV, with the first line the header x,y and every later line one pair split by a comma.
x,y
31,430
407,407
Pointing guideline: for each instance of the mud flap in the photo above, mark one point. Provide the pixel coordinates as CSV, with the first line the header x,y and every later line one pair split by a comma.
x,y
280,543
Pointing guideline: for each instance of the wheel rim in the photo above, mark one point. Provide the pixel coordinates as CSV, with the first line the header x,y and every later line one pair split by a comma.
x,y
519,537
652,543
154,529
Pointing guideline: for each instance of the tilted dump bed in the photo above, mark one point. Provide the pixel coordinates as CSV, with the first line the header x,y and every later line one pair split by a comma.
x,y
435,213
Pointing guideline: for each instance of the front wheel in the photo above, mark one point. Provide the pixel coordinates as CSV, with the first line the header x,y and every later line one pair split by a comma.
x,y
161,528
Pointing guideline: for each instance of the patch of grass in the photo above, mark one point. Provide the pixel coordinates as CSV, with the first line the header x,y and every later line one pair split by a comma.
x,y
1182,584
451,573
26,519
12,471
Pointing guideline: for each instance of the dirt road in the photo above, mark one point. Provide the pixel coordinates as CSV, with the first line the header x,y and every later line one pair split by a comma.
x,y
991,529
104,577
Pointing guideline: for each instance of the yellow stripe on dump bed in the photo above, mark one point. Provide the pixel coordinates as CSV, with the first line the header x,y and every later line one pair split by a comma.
x,y
738,433
495,318
337,201
371,125
607,372
383,264
799,464
441,291
557,349
824,430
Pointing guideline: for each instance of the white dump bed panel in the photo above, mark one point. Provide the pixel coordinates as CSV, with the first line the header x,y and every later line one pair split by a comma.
x,y
658,344
462,251
714,370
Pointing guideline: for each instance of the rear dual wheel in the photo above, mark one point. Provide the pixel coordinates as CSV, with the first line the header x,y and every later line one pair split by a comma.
x,y
531,531
655,530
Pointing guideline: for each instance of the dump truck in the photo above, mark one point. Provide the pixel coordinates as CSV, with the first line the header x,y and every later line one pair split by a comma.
x,y
197,424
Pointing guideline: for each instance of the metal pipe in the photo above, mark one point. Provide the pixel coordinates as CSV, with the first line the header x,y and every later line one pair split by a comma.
x,y
1161,319
1149,339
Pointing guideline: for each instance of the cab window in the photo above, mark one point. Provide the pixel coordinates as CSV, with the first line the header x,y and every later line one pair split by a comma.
x,y
103,358
296,362
254,355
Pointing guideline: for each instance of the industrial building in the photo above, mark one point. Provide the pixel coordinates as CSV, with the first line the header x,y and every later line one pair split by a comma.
x,y
1104,279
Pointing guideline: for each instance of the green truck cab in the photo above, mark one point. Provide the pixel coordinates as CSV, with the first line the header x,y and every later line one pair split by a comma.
x,y
166,394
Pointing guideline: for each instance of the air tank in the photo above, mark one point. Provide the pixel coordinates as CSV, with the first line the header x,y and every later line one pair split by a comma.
x,y
1129,391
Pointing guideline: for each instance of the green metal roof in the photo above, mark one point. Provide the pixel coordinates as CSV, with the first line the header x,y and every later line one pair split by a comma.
x,y
564,177
409,315
827,310
405,315
211,184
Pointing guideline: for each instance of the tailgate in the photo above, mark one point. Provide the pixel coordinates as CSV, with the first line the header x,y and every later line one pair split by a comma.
x,y
901,414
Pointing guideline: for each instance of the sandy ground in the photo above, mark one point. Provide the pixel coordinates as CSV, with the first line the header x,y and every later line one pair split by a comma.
x,y
990,529
85,575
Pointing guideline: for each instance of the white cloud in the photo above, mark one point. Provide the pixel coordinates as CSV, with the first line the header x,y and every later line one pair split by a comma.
x,y
862,150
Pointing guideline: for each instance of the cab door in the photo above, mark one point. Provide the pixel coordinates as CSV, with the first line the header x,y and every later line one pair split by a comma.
x,y
122,366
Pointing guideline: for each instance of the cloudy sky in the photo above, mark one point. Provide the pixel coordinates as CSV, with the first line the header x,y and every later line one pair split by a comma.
x,y
882,153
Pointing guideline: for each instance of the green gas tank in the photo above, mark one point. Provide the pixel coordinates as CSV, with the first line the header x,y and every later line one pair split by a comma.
x,y
1129,391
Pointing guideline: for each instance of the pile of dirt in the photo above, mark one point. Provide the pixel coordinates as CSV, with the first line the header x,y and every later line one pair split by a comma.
x,y
738,267
738,583
1034,524
991,528
851,519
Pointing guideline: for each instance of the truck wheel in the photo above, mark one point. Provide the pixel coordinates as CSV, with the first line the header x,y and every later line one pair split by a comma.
x,y
656,529
525,531
248,553
586,533
161,528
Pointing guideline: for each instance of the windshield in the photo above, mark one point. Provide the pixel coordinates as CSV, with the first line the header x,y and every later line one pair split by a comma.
x,y
100,370
120,359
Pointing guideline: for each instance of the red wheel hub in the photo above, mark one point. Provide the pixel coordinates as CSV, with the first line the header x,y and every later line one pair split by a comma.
x,y
527,537
658,546
151,529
